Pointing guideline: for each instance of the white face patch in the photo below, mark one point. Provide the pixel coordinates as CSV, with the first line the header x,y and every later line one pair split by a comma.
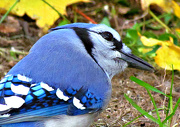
x,y
78,104
20,89
14,101
60,95
116,54
45,86
23,78
125,49
103,28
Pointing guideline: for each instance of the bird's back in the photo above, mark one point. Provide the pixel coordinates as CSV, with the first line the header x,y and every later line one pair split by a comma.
x,y
63,63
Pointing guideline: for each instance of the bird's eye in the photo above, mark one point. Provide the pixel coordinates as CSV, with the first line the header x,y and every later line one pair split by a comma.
x,y
107,35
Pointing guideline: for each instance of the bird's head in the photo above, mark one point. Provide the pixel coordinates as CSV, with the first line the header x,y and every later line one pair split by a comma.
x,y
105,46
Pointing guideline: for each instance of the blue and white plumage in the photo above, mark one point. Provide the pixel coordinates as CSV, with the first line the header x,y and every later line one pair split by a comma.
x,y
65,78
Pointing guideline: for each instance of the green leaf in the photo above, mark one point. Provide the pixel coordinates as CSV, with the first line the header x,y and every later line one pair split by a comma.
x,y
149,34
105,21
124,3
128,41
153,52
63,22
167,18
166,36
133,34
133,11
137,26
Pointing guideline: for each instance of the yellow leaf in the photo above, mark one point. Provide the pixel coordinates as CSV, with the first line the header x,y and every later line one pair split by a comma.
x,y
176,8
44,15
167,5
167,55
149,41
145,50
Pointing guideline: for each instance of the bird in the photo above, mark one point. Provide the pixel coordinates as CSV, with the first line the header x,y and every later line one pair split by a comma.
x,y
65,80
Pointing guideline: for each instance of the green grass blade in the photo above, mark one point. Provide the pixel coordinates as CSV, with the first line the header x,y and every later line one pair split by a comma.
x,y
146,85
132,121
141,110
139,117
168,117
176,106
170,103
174,110
156,109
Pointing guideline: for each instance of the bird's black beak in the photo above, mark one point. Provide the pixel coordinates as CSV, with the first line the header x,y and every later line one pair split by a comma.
x,y
136,62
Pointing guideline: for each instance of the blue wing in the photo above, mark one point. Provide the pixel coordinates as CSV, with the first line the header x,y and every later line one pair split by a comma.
x,y
77,85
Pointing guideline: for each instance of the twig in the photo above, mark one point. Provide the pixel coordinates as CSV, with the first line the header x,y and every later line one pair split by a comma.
x,y
3,52
133,20
85,16
14,51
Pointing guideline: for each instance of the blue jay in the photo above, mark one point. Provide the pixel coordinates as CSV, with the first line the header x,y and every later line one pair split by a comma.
x,y
65,80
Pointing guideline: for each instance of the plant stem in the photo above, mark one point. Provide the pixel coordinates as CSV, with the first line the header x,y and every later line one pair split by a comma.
x,y
157,19
151,20
6,14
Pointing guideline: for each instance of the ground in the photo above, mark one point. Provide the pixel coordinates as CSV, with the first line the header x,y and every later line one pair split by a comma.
x,y
18,34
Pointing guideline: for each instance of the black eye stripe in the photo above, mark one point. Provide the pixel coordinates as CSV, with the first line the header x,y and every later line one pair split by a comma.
x,y
118,44
108,36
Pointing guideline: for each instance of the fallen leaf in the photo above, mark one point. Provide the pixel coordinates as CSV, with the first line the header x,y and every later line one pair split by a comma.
x,y
145,50
44,15
167,5
167,55
176,9
150,41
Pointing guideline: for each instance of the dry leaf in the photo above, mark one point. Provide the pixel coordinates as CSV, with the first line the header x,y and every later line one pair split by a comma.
x,y
167,55
44,15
